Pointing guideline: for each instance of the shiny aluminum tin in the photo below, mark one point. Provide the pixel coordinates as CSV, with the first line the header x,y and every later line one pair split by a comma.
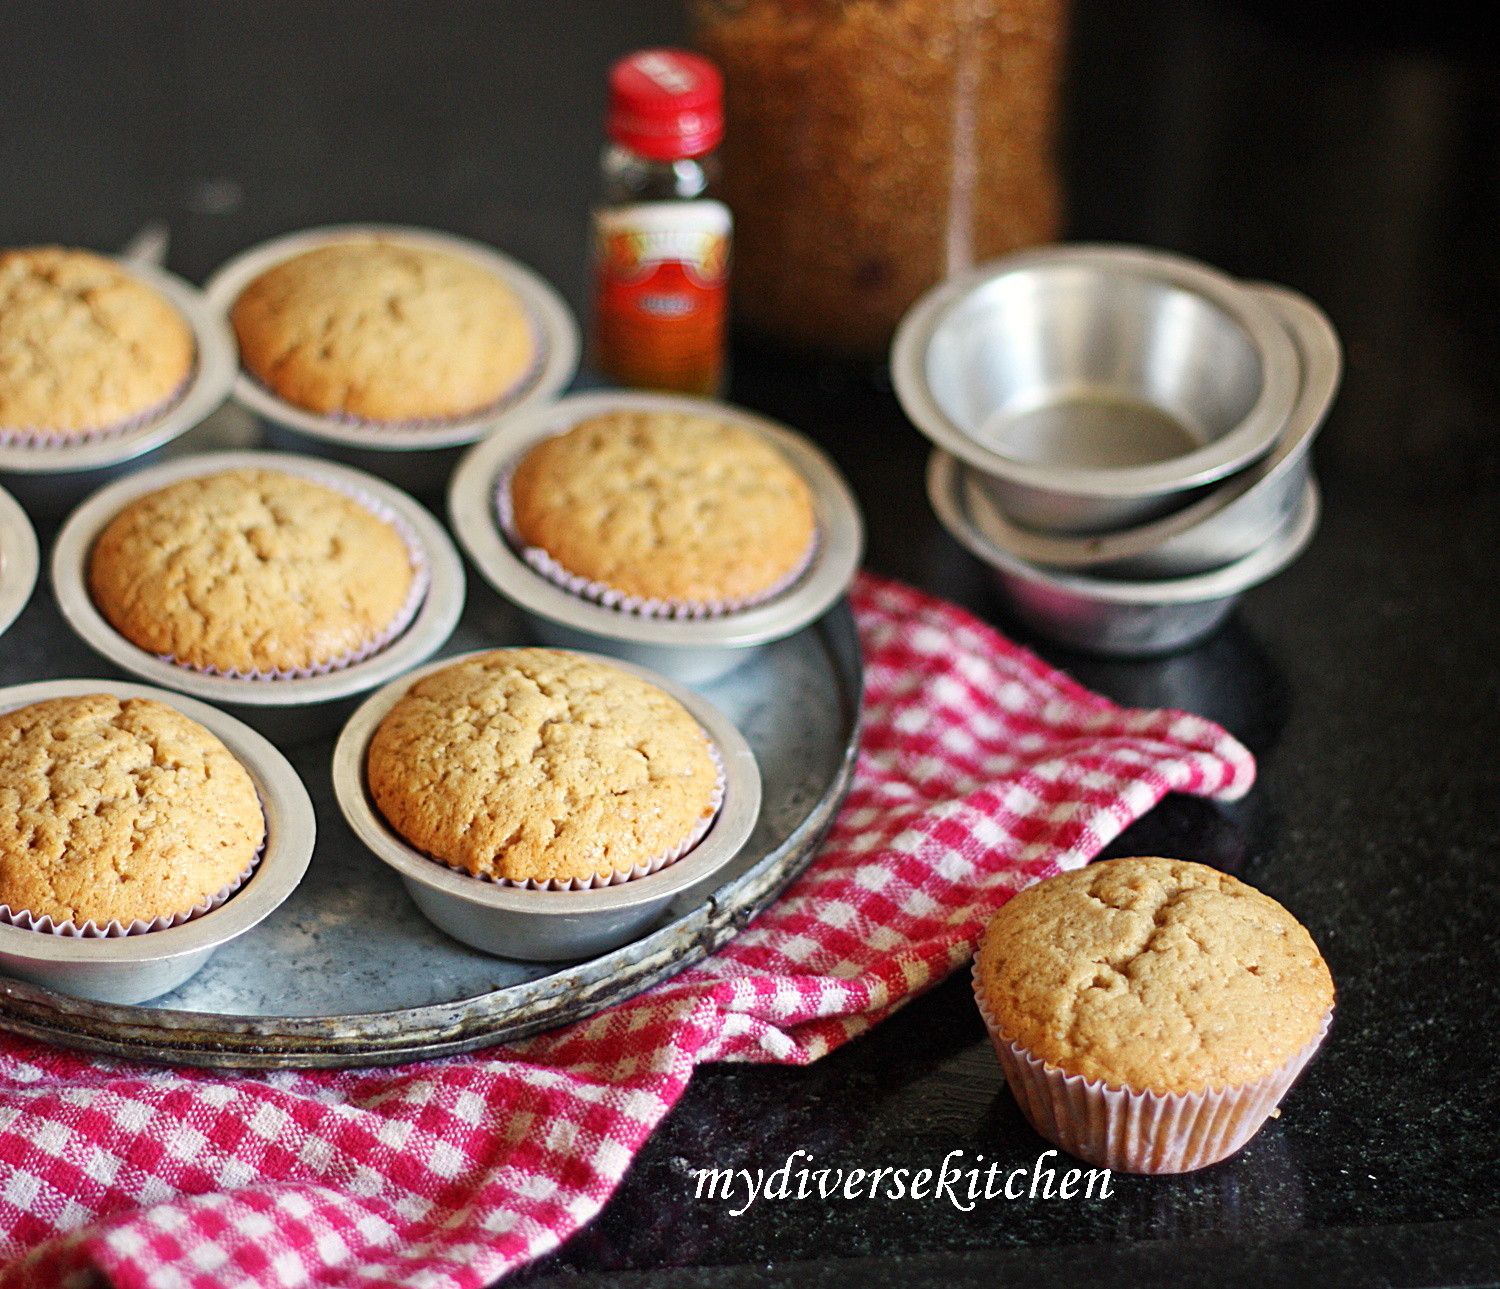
x,y
18,559
1232,520
1095,387
133,968
1109,617
292,710
417,457
694,651
547,926
49,481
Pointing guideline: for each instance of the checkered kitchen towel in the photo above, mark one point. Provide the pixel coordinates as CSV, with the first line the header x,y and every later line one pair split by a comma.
x,y
981,771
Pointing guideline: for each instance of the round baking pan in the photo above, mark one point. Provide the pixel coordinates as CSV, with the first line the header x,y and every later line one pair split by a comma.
x,y
18,560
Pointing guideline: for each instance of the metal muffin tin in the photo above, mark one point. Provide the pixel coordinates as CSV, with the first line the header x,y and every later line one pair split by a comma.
x,y
133,968
1237,516
694,651
1107,616
419,457
1095,387
50,480
18,560
294,709
547,926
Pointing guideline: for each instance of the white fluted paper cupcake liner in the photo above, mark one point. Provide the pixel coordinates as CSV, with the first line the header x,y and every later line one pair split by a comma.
x,y
421,578
1141,1132
43,438
24,920
612,597
642,869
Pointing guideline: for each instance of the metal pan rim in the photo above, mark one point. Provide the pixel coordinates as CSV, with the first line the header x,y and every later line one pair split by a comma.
x,y
728,835
216,360
834,564
290,832
559,337
20,559
429,630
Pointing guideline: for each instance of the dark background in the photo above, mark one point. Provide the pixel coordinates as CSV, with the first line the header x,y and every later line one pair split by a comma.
x,y
1352,153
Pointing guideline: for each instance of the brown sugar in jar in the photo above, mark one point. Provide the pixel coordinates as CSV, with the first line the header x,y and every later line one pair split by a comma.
x,y
873,147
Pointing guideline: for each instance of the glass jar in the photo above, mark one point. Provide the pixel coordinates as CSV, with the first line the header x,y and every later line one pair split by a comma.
x,y
873,147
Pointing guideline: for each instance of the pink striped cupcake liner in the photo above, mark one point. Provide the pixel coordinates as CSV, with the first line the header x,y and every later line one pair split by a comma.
x,y
1141,1132
612,597
43,438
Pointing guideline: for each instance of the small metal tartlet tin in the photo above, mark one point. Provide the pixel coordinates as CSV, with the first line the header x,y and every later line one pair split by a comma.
x,y
18,559
1127,619
1233,519
419,457
133,968
548,926
296,709
695,650
50,480
1095,387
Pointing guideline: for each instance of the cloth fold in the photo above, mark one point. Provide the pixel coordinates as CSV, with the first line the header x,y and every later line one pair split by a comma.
x,y
980,771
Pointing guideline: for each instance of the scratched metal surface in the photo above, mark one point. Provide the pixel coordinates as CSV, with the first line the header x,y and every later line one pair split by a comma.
x,y
347,972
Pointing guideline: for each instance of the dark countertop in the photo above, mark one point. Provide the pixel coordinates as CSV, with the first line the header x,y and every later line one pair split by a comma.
x,y
1359,163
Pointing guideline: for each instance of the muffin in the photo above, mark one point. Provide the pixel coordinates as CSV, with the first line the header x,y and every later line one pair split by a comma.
x,y
1150,1013
119,810
84,346
383,331
671,507
537,766
253,571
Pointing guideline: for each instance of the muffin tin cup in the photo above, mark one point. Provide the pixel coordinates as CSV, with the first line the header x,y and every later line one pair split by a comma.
x,y
692,650
418,455
1235,517
1141,1132
612,597
1114,618
48,475
290,708
1165,342
19,560
512,921
132,968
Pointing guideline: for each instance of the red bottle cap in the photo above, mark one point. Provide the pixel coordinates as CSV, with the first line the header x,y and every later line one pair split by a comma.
x,y
665,103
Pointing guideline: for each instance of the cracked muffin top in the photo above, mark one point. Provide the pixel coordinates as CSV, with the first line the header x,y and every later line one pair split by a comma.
x,y
83,344
541,765
383,331
1155,974
665,506
117,809
250,570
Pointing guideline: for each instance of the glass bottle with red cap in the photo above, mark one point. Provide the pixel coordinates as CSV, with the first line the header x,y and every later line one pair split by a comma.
x,y
661,236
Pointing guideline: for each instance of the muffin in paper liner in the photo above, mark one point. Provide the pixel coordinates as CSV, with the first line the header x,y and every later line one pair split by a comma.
x,y
421,579
643,868
612,597
1140,1132
23,920
43,439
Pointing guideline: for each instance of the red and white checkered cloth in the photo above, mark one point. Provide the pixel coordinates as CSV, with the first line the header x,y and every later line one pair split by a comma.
x,y
981,771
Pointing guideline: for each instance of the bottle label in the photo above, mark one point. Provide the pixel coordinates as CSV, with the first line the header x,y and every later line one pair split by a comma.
x,y
662,277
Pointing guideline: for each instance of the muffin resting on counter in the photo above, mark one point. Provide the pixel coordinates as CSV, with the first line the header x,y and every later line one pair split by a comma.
x,y
384,331
250,570
84,346
671,506
118,810
540,765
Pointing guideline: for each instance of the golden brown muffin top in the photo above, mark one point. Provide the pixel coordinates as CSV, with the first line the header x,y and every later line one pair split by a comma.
x,y
83,344
383,331
248,570
665,506
117,809
1154,974
537,764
